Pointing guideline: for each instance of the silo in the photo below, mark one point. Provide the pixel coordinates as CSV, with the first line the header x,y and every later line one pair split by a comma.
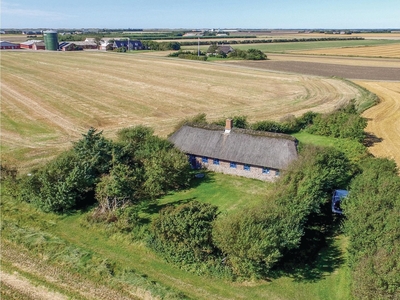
x,y
50,40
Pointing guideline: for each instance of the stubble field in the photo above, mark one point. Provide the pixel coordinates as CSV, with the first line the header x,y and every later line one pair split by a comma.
x,y
384,119
390,51
50,99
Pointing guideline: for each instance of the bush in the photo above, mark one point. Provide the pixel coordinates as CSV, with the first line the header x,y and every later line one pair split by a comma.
x,y
251,54
183,234
372,224
344,123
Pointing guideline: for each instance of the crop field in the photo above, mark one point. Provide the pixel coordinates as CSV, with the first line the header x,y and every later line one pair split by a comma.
x,y
50,99
384,119
391,51
320,68
288,47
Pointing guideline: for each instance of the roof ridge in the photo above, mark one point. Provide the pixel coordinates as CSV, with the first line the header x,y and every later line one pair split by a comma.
x,y
216,127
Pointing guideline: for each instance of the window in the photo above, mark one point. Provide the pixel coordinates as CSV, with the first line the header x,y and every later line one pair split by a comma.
x,y
216,161
246,167
277,173
265,170
204,159
233,165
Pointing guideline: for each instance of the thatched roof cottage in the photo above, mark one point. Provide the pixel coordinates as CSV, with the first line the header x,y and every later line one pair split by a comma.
x,y
229,150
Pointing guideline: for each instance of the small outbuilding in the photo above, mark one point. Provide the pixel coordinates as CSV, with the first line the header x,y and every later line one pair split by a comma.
x,y
254,154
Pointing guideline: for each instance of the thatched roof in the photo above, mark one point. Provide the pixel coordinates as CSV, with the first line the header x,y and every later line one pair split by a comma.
x,y
264,149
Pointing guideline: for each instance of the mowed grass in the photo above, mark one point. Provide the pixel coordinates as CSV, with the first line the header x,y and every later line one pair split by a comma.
x,y
229,193
50,99
328,279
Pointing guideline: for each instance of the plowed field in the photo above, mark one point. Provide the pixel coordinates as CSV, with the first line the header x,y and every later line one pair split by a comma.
x,y
50,99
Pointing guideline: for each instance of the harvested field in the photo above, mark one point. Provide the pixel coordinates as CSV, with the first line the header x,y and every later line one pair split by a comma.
x,y
50,99
338,60
384,119
323,69
391,51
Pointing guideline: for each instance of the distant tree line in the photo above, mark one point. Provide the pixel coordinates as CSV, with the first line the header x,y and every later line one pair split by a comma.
x,y
193,55
345,122
263,41
251,54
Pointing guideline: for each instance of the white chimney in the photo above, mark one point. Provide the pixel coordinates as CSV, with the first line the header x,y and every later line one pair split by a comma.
x,y
228,125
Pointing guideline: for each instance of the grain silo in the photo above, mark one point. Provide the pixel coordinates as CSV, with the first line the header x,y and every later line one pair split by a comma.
x,y
51,40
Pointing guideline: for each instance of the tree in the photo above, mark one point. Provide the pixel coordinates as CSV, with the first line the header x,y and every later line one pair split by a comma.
x,y
119,188
94,151
255,54
59,186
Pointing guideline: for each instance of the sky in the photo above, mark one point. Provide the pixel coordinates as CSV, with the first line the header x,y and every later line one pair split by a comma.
x,y
196,14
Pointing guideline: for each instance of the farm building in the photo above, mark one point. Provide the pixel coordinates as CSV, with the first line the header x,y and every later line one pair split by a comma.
x,y
104,44
79,45
215,50
4,45
39,46
253,154
68,46
29,44
133,45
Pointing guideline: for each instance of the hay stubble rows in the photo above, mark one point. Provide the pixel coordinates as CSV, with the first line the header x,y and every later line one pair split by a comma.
x,y
50,99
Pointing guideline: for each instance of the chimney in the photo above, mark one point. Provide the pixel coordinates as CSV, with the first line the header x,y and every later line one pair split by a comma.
x,y
228,125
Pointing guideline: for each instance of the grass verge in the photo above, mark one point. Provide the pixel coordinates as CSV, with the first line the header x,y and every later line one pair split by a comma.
x,y
90,259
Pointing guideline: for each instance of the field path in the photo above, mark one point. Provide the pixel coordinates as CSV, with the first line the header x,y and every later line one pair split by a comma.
x,y
21,286
384,118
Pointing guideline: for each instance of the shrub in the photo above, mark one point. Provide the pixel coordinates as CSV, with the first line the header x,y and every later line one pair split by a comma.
x,y
372,224
183,234
344,123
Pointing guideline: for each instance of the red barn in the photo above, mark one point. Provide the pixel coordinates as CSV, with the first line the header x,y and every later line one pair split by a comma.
x,y
4,45
29,44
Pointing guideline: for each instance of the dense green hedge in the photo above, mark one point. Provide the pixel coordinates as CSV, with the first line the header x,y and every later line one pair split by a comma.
x,y
373,226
